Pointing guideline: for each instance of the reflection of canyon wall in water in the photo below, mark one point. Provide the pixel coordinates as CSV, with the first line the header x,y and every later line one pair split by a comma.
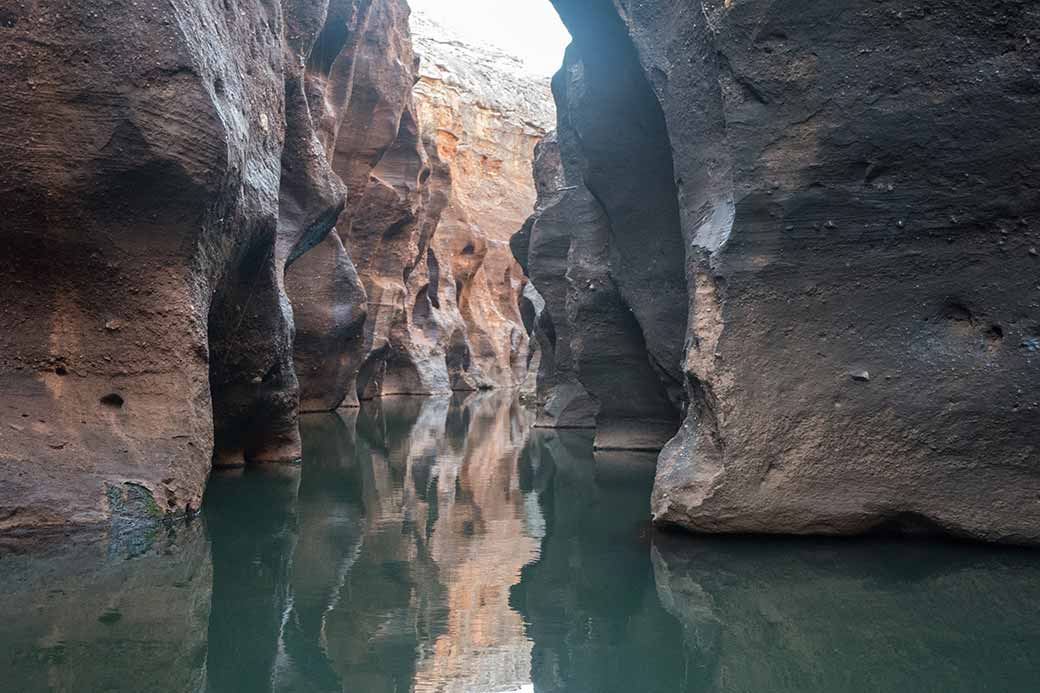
x,y
589,603
821,617
447,533
283,541
484,533
91,617
383,563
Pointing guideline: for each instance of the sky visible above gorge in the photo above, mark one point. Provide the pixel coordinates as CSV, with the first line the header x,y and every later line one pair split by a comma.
x,y
528,29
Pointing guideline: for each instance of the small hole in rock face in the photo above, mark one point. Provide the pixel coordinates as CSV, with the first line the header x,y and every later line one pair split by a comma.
x,y
994,336
957,312
468,250
61,370
112,400
218,85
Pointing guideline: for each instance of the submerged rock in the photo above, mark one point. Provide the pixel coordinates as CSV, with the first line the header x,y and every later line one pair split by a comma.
x,y
833,218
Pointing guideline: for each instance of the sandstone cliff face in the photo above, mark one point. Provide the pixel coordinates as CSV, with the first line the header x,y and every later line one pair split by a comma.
x,y
161,172
367,90
168,267
438,181
858,217
478,119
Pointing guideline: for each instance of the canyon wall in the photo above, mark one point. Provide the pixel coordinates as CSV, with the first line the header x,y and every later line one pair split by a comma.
x,y
605,250
160,172
170,183
850,231
438,179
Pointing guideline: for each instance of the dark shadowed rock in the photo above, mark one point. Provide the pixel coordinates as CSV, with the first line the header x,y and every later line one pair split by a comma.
x,y
851,199
562,400
605,248
329,310
254,385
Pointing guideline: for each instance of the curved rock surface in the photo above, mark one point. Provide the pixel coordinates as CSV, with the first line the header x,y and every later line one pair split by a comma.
x,y
861,344
161,172
605,250
366,90
438,181
479,118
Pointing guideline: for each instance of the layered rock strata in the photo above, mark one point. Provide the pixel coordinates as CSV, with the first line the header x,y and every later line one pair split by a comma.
x,y
860,275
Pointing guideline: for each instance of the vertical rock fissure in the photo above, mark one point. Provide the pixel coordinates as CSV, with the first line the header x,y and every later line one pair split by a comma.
x,y
620,303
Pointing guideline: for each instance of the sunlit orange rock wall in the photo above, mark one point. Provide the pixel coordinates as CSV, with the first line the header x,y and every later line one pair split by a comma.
x,y
481,117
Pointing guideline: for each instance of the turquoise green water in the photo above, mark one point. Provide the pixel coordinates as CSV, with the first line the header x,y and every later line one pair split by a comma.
x,y
444,545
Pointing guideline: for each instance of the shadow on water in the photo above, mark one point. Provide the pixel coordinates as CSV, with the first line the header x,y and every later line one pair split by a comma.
x,y
441,544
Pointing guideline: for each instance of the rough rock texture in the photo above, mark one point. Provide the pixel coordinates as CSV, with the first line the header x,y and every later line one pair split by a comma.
x,y
563,402
605,250
858,204
454,322
365,89
160,172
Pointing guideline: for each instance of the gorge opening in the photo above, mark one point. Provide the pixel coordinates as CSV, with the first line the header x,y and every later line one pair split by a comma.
x,y
464,322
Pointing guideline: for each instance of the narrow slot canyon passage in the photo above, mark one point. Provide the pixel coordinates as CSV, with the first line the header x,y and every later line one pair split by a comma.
x,y
557,346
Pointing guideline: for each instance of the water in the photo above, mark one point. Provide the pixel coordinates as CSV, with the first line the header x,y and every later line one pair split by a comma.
x,y
444,545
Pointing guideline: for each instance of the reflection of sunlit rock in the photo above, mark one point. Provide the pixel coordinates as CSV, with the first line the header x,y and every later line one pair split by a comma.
x,y
480,542
818,616
424,605
86,620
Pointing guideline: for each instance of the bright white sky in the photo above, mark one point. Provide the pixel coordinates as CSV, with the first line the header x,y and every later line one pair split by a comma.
x,y
529,29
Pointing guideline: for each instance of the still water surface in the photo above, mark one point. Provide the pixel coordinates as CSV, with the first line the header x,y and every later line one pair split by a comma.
x,y
433,544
